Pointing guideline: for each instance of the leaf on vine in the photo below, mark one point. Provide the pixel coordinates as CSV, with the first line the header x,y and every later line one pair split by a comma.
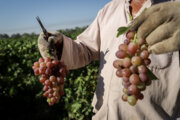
x,y
122,30
151,75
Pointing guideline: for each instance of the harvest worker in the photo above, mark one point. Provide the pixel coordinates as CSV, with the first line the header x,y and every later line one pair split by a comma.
x,y
160,26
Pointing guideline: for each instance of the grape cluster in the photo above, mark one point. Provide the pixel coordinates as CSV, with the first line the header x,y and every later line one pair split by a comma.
x,y
131,67
52,77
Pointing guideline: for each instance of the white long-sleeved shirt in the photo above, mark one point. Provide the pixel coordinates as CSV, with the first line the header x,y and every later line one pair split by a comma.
x,y
99,42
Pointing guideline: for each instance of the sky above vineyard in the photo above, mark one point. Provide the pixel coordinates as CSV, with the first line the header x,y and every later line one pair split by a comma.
x,y
18,16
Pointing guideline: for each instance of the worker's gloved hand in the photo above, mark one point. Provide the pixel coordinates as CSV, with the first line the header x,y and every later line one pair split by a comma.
x,y
160,26
47,47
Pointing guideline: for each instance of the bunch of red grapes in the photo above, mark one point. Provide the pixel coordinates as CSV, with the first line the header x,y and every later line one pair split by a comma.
x,y
132,67
52,77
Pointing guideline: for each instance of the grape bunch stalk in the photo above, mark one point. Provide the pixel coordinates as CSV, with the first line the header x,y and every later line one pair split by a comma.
x,y
52,77
131,65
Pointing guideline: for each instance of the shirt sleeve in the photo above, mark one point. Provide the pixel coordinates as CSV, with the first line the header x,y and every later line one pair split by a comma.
x,y
86,48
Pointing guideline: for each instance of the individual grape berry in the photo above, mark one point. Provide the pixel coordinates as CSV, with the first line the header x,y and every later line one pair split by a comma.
x,y
125,79
143,77
36,64
126,84
42,64
47,83
141,86
144,54
133,69
60,80
132,100
126,62
123,47
127,41
132,48
52,78
147,61
47,60
142,69
45,94
45,88
41,60
126,72
36,71
125,90
49,65
134,79
124,97
121,54
130,35
139,96
136,60
119,73
42,70
133,90
55,62
48,71
42,79
117,64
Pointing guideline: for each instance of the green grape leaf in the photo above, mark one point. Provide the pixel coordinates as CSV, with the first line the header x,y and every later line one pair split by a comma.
x,y
122,30
151,75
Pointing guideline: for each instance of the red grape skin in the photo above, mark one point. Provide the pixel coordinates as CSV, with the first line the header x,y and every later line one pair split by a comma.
x,y
47,59
133,69
127,41
123,47
124,97
132,48
144,54
119,73
130,35
49,65
125,79
48,71
134,79
132,89
121,54
41,60
52,78
45,94
142,69
143,77
136,60
139,96
117,64
55,62
126,72
45,88
36,64
42,70
147,61
42,79
126,62
126,84
36,71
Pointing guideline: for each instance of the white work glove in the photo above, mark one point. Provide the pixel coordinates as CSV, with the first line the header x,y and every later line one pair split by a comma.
x,y
48,48
160,26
